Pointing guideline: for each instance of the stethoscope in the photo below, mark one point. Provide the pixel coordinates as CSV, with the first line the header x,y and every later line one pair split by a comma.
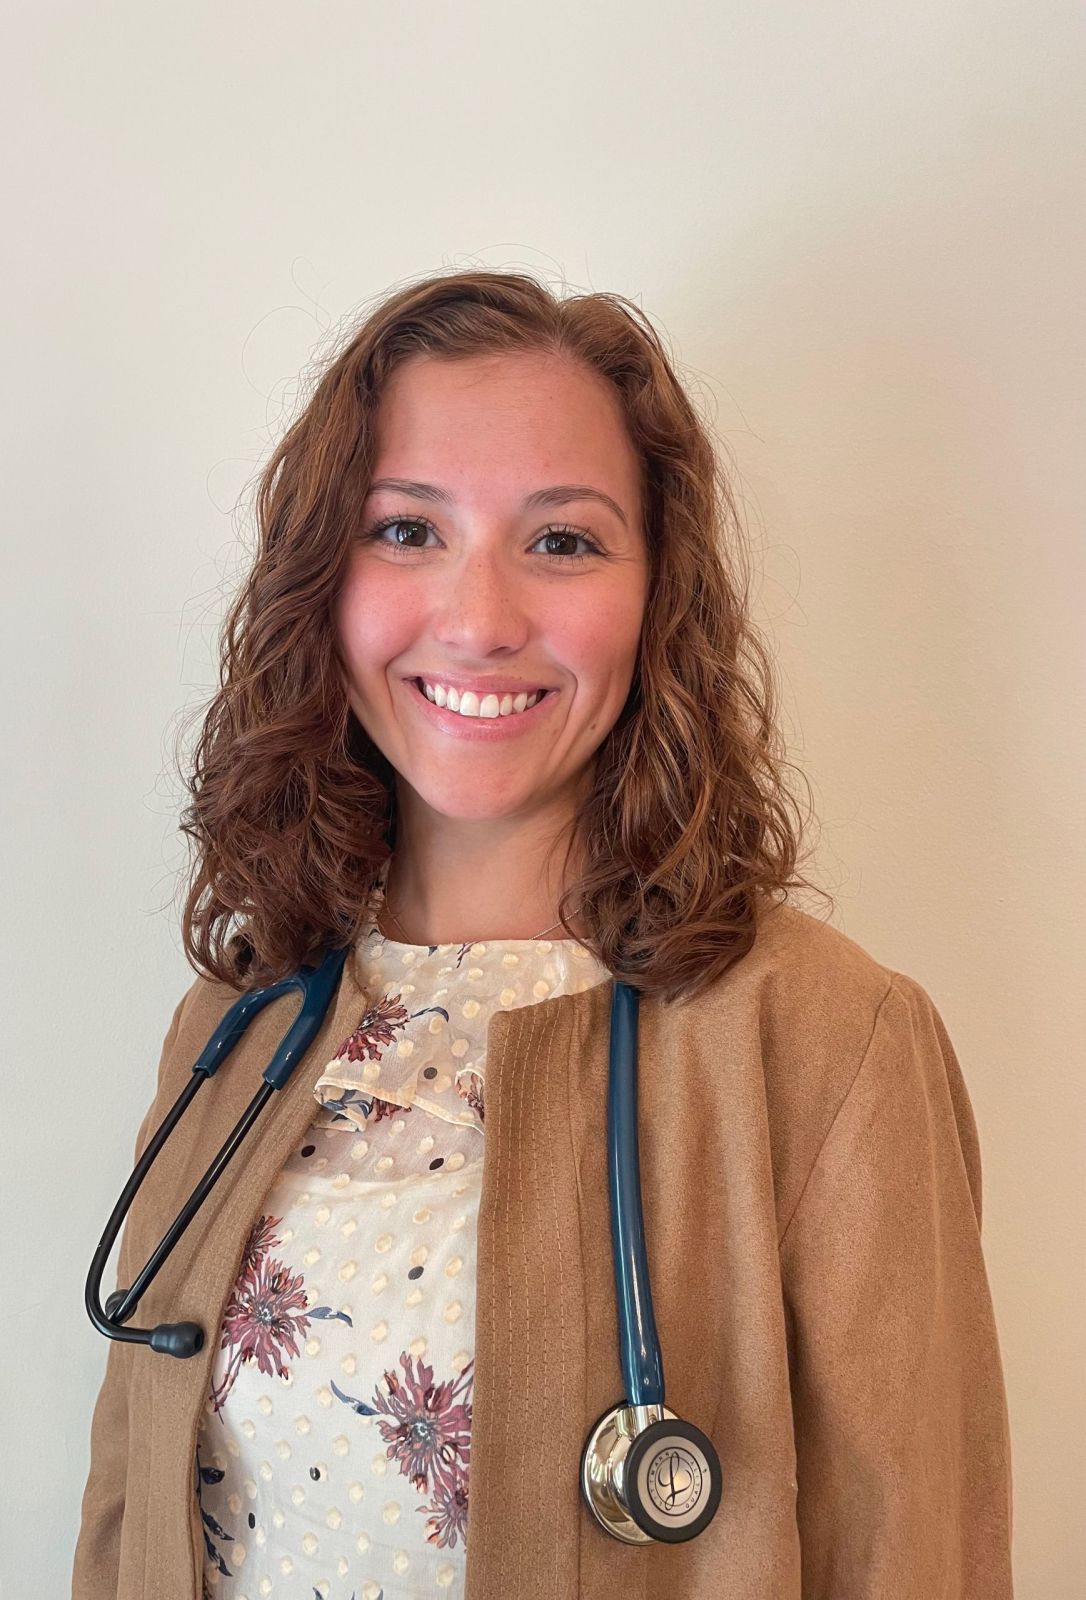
x,y
646,1475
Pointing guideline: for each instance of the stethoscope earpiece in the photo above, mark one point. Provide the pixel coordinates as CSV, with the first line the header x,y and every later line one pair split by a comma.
x,y
646,1475
181,1339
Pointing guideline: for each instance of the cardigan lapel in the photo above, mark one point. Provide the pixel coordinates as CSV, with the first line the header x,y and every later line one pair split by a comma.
x,y
546,1359
529,1319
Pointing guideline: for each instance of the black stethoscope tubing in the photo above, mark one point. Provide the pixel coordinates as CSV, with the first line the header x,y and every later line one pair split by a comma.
x,y
183,1339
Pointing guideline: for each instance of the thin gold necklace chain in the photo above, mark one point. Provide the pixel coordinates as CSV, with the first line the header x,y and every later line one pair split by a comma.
x,y
400,925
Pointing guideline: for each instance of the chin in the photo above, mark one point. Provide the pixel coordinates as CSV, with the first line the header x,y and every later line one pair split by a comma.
x,y
461,807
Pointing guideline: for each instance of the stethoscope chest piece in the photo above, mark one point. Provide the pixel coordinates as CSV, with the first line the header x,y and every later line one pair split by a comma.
x,y
646,1475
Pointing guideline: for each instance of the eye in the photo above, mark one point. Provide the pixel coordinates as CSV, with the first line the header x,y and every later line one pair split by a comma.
x,y
564,531
560,531
398,521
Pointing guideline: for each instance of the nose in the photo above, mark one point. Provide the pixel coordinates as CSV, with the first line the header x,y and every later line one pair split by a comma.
x,y
483,605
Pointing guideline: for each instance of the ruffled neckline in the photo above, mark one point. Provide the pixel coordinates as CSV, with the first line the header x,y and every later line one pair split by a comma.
x,y
404,1052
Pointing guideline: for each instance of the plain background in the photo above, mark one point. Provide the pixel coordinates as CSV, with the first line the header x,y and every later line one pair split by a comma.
x,y
861,230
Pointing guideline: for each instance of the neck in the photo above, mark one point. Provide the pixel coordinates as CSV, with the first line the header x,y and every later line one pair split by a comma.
x,y
474,882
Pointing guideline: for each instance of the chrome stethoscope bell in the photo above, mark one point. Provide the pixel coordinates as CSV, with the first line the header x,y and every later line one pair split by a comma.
x,y
646,1475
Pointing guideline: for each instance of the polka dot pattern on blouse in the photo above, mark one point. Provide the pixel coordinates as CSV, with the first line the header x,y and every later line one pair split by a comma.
x,y
334,1452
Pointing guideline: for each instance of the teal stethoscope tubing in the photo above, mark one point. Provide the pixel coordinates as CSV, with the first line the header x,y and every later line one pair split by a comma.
x,y
639,1349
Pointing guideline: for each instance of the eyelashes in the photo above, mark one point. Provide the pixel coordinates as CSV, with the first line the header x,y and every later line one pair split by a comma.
x,y
373,536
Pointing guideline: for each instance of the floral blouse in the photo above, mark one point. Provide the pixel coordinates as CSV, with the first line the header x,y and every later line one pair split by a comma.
x,y
334,1450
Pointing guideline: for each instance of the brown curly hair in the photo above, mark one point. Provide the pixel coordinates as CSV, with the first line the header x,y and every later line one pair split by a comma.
x,y
687,831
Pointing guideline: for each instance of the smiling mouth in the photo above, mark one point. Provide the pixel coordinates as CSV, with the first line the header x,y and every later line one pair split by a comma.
x,y
531,700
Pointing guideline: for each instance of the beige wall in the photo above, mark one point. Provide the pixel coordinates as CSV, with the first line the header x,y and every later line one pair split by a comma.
x,y
862,229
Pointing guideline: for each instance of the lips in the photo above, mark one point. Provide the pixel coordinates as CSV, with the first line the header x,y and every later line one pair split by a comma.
x,y
479,728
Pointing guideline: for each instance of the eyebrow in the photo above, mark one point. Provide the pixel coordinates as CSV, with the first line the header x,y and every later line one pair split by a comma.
x,y
559,494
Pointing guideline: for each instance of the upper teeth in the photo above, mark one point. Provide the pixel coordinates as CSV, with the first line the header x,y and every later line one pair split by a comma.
x,y
469,704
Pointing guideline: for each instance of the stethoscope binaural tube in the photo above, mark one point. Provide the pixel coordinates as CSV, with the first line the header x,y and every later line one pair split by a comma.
x,y
646,1475
183,1339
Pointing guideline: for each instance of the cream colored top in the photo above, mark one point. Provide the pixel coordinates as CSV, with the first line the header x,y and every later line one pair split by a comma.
x,y
334,1450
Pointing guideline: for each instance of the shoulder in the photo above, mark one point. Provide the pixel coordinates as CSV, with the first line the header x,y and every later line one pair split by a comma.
x,y
820,983
203,1005
196,1016
807,1006
805,978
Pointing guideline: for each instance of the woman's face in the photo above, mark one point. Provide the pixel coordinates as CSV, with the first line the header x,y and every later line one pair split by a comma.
x,y
466,588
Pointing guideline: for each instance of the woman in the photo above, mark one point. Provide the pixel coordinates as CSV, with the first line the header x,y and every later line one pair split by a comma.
x,y
493,712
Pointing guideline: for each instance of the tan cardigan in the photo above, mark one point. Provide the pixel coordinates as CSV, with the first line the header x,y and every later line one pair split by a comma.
x,y
812,1194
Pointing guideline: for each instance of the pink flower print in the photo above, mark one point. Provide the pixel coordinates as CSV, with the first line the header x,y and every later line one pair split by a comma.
x,y
262,1237
431,1435
470,1088
264,1316
386,1108
376,1030
447,1515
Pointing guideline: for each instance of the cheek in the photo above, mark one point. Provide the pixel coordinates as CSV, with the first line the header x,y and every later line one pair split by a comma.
x,y
375,621
598,634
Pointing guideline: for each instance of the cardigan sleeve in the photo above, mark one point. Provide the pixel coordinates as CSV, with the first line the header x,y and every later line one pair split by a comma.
x,y
903,1458
97,1553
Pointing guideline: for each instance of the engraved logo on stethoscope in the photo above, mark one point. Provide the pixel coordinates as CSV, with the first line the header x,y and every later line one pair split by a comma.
x,y
674,1481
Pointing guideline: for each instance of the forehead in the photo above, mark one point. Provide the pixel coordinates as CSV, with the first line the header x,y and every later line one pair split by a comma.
x,y
508,417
